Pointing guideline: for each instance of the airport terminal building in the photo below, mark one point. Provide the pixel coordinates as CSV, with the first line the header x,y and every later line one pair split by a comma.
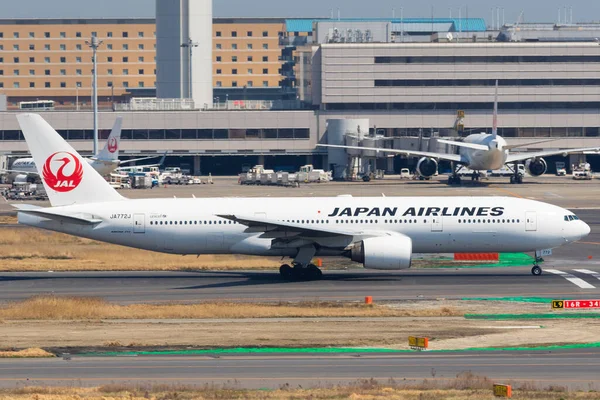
x,y
412,84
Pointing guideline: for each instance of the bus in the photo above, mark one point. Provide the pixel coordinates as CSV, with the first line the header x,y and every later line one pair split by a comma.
x,y
38,105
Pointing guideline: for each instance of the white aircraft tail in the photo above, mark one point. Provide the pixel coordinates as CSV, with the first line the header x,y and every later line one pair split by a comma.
x,y
495,121
110,152
67,177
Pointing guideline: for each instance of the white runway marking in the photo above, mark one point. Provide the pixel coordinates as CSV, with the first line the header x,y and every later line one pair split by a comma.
x,y
572,278
587,271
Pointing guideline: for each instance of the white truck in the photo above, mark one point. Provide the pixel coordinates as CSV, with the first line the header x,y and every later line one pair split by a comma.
x,y
582,171
561,169
308,174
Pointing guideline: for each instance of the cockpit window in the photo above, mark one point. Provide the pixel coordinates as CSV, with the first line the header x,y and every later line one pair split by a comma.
x,y
571,218
575,217
567,218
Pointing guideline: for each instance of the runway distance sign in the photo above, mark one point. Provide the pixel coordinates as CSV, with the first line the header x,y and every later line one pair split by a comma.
x,y
418,343
503,391
575,304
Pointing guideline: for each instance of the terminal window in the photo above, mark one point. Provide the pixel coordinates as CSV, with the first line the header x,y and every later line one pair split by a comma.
x,y
265,59
265,33
46,34
31,59
218,34
249,33
32,47
234,34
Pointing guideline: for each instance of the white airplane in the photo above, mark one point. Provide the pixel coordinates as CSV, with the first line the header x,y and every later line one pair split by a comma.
x,y
106,162
480,152
381,233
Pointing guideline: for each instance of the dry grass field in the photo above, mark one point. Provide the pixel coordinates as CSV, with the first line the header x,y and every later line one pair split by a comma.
x,y
466,386
23,249
82,308
26,353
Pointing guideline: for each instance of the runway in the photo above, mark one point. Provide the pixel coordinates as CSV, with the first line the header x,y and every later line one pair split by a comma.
x,y
576,369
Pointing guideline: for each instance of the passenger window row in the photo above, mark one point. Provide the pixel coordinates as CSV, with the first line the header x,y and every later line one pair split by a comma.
x,y
489,221
193,223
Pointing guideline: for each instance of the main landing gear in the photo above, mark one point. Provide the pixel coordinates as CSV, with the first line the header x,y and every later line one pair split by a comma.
x,y
301,268
299,272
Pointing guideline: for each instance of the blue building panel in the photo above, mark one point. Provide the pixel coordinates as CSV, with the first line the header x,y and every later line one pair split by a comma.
x,y
410,24
299,25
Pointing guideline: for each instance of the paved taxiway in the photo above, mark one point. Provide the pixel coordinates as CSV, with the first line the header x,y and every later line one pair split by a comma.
x,y
576,369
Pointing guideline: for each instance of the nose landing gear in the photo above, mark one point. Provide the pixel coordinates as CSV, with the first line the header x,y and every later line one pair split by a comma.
x,y
537,270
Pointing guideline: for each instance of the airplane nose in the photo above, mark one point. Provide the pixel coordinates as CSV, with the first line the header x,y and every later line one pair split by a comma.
x,y
585,230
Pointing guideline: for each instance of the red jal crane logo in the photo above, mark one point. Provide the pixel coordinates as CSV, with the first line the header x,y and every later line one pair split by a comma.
x,y
112,145
56,178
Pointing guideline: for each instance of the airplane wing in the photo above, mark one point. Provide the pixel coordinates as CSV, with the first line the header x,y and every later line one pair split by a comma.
x,y
514,157
473,146
266,224
162,160
19,172
440,156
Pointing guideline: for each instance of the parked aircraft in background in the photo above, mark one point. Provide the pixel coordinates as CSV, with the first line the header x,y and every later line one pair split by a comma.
x,y
480,152
105,162
381,233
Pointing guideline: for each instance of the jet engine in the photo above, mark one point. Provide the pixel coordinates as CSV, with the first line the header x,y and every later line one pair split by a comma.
x,y
536,166
385,253
427,167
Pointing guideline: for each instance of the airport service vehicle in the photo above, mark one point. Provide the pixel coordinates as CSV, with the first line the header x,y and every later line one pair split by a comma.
x,y
479,152
582,171
405,173
379,232
561,169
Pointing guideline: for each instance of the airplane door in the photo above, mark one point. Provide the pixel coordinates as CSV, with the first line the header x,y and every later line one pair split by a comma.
x,y
530,221
139,223
437,224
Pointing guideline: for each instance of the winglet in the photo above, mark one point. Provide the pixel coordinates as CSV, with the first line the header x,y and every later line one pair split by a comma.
x,y
495,121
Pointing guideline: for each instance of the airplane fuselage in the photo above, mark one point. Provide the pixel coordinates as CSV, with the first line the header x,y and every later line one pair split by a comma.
x,y
24,166
482,160
435,225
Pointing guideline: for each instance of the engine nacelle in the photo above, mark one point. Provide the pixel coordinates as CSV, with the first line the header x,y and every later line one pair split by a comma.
x,y
386,252
427,167
536,166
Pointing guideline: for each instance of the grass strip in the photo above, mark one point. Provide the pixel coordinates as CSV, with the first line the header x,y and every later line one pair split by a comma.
x,y
518,299
503,317
329,350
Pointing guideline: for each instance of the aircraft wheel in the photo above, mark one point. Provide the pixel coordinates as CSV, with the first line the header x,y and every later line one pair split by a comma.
x,y
450,180
536,270
519,179
286,271
313,272
512,179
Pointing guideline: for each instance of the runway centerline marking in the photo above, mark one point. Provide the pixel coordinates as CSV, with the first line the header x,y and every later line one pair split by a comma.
x,y
587,271
572,278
